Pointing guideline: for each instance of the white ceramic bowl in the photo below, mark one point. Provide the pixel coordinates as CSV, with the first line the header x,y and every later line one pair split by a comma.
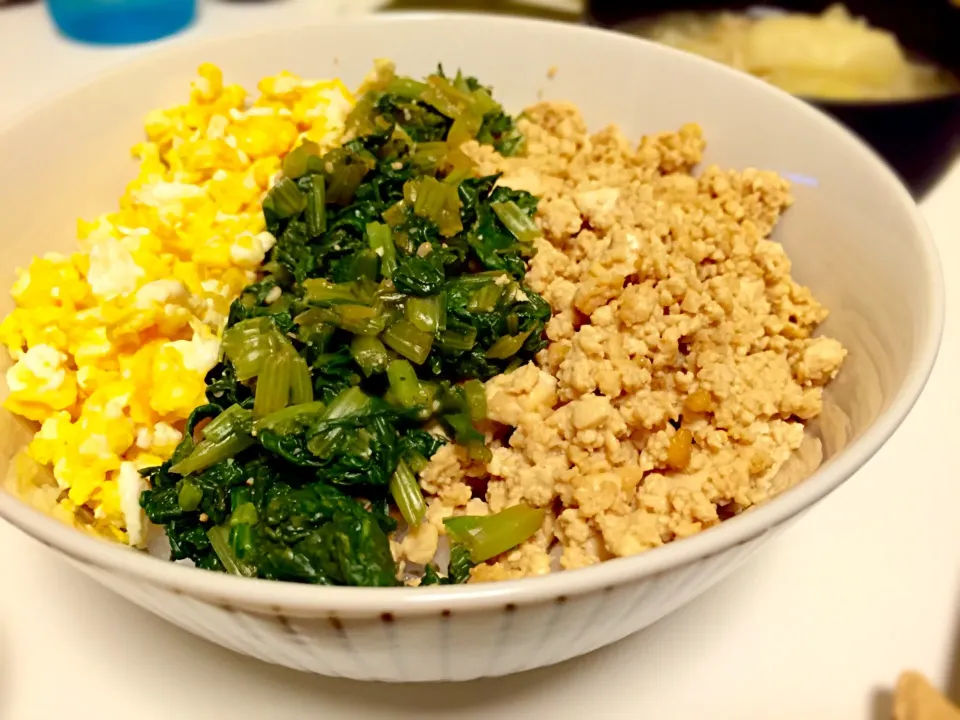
x,y
854,235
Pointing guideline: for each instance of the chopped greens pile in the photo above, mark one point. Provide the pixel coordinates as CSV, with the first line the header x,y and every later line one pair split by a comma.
x,y
394,289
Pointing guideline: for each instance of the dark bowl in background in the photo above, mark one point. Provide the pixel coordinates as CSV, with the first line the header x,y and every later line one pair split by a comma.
x,y
918,138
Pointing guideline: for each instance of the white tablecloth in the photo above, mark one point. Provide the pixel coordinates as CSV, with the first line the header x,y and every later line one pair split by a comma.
x,y
818,625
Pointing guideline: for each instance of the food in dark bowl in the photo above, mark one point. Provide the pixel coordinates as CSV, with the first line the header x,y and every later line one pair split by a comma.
x,y
886,72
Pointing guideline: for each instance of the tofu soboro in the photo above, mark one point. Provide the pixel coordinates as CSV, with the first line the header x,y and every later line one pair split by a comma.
x,y
681,366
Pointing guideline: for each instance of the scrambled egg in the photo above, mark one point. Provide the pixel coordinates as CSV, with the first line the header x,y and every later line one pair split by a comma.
x,y
111,343
682,363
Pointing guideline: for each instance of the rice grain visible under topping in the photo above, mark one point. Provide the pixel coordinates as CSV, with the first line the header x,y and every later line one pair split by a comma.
x,y
682,363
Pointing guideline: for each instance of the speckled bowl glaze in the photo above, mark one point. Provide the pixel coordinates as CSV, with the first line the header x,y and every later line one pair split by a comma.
x,y
854,235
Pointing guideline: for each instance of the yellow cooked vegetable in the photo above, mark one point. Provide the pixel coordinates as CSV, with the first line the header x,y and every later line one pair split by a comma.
x,y
831,56
112,342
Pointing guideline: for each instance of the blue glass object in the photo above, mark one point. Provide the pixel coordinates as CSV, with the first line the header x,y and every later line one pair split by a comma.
x,y
118,22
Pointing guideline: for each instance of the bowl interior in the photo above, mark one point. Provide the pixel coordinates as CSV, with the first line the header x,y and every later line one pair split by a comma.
x,y
853,234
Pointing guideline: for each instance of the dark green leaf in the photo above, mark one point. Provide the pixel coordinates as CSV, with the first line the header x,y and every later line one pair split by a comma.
x,y
360,276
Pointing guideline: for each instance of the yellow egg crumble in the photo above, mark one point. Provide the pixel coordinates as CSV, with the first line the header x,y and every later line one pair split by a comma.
x,y
112,342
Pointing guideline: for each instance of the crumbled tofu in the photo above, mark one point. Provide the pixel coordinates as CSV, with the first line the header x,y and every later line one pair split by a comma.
x,y
681,362
528,560
526,390
446,475
419,545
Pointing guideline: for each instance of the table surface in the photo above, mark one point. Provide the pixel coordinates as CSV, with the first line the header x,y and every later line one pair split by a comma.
x,y
817,625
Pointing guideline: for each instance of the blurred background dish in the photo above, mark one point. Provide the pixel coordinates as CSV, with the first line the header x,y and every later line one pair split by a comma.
x,y
831,56
891,76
